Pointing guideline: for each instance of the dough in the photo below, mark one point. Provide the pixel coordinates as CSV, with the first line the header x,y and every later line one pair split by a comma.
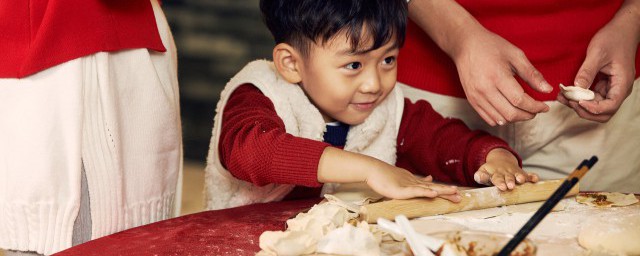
x,y
306,229
576,93
287,243
321,219
618,235
606,199
356,193
350,240
500,210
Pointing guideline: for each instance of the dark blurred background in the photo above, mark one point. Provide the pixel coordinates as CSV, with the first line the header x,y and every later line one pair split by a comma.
x,y
215,39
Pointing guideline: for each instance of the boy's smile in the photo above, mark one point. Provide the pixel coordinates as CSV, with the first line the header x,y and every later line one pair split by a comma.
x,y
347,85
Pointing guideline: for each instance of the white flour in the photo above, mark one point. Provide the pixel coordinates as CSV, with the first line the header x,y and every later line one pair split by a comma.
x,y
556,234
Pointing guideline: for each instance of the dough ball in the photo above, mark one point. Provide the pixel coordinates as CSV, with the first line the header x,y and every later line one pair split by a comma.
x,y
350,240
576,93
287,243
618,235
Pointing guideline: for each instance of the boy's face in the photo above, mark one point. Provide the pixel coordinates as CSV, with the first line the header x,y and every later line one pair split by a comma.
x,y
347,86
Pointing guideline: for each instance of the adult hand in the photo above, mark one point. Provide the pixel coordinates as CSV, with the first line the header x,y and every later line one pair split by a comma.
x,y
611,53
487,64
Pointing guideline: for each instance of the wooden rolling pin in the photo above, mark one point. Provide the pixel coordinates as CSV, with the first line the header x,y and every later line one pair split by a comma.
x,y
472,199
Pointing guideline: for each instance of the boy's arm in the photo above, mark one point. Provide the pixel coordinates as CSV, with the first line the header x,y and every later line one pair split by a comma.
x,y
340,166
445,148
255,147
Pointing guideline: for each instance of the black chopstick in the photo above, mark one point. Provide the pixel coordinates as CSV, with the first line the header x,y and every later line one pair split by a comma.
x,y
562,190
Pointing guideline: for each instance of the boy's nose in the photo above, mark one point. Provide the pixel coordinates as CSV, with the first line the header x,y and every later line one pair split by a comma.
x,y
371,85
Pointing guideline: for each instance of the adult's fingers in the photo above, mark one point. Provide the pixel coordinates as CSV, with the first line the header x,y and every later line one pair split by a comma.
x,y
516,96
583,113
589,69
613,96
525,70
509,112
491,111
562,99
486,117
505,102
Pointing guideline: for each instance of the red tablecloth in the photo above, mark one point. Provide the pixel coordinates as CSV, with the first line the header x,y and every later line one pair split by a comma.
x,y
232,231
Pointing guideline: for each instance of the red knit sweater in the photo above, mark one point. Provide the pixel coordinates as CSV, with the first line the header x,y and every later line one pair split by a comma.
x,y
255,147
36,35
554,34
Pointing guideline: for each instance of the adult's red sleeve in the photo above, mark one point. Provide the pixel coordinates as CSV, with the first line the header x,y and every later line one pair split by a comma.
x,y
255,147
429,144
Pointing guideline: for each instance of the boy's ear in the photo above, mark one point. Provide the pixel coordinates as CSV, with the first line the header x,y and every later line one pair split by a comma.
x,y
287,61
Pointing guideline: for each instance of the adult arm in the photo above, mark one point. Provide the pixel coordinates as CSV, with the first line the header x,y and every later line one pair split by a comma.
x,y
611,53
486,62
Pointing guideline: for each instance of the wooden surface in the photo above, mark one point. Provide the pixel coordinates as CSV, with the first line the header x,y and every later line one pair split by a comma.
x,y
472,199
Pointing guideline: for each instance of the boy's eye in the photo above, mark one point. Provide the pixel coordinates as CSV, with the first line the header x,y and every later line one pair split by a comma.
x,y
389,60
353,65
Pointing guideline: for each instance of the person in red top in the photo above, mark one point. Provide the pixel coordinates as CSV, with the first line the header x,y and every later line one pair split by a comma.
x,y
497,64
333,80
90,139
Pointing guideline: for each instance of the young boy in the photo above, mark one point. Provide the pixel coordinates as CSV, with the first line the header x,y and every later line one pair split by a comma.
x,y
327,111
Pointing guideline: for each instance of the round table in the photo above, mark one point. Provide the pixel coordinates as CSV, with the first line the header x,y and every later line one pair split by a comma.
x,y
233,231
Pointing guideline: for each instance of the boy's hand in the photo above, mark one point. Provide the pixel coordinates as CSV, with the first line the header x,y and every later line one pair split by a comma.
x,y
503,171
385,179
398,183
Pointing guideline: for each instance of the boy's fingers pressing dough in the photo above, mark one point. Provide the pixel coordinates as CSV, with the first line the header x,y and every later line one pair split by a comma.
x,y
521,177
447,192
482,177
422,191
453,198
510,180
499,181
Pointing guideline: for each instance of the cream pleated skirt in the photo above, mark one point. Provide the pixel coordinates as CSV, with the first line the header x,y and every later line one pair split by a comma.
x,y
114,115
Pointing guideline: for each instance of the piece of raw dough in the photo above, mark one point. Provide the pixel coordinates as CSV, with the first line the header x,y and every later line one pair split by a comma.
x,y
350,240
287,243
321,219
356,193
618,235
305,230
500,210
606,199
576,93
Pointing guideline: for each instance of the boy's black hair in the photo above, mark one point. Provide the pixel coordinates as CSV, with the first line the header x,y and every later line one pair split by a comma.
x,y
301,22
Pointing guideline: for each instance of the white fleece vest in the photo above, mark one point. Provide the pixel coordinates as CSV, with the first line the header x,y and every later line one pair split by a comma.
x,y
375,137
